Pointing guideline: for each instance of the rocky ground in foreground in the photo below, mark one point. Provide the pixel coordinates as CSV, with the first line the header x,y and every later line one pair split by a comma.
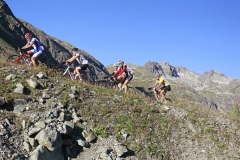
x,y
46,117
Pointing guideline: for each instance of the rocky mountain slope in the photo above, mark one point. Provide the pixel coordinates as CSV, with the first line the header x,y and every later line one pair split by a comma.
x,y
47,117
56,51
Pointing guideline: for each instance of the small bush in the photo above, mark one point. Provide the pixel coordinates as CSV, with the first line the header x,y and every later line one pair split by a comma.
x,y
236,110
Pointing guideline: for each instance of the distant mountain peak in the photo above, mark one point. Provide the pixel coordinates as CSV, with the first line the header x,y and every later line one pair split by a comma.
x,y
214,72
216,77
165,64
161,68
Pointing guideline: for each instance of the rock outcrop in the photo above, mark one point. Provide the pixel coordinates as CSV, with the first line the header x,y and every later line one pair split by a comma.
x,y
56,51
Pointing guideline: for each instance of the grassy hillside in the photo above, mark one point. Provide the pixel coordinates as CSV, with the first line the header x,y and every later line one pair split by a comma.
x,y
181,129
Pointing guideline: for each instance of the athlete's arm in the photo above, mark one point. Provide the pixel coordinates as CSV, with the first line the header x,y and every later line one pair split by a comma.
x,y
154,86
71,59
27,45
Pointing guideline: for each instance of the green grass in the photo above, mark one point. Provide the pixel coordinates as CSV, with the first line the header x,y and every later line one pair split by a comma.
x,y
236,110
102,132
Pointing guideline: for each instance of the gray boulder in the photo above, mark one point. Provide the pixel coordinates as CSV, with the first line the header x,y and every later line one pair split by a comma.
x,y
2,101
42,153
32,83
41,75
120,149
50,138
10,77
19,88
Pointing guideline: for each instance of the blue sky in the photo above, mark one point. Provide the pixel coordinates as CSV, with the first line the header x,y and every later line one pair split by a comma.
x,y
201,35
